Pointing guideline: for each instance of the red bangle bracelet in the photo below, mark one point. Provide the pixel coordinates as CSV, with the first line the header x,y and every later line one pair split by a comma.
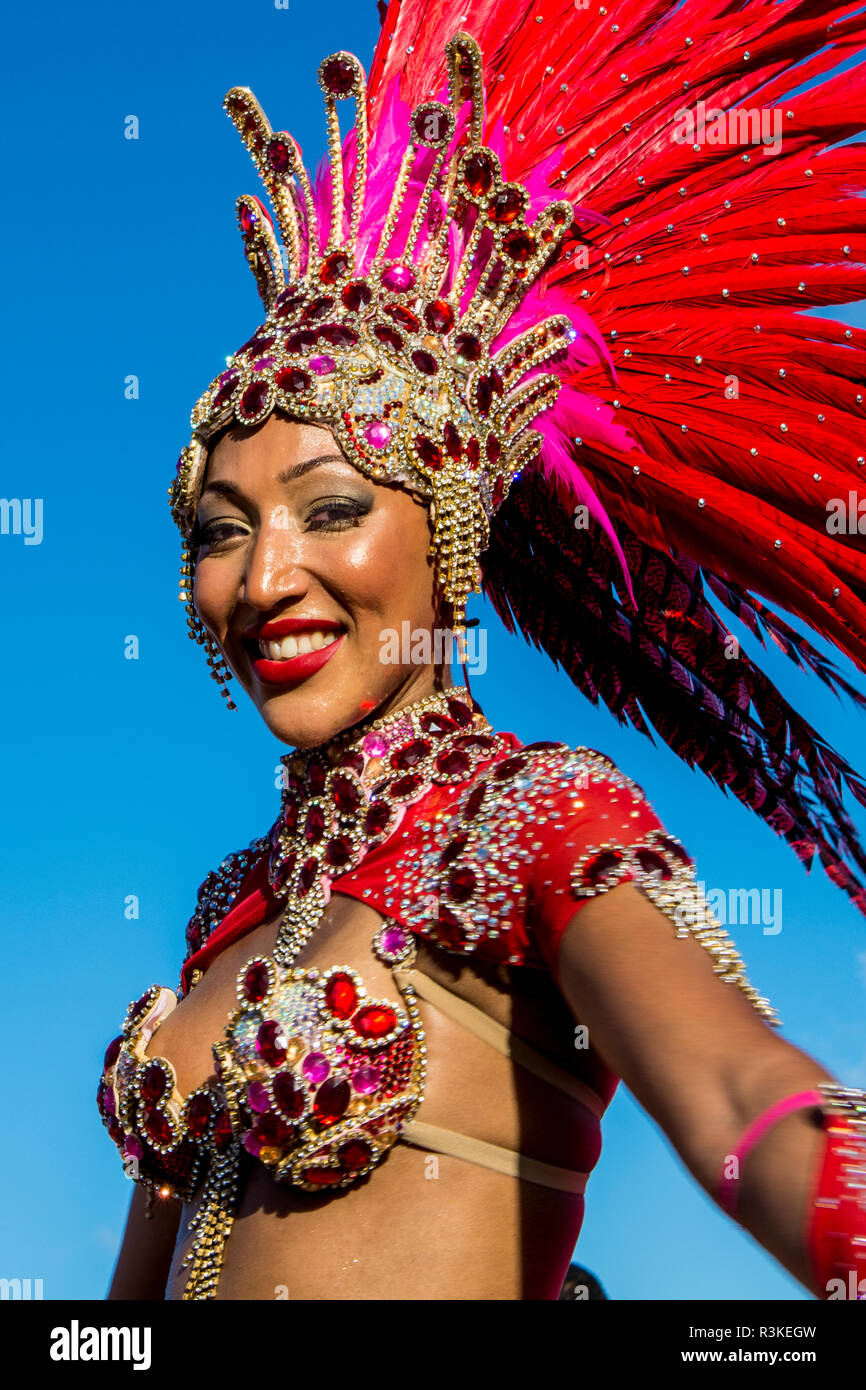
x,y
836,1222
728,1188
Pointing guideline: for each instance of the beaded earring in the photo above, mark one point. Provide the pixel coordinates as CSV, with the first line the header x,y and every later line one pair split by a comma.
x,y
198,632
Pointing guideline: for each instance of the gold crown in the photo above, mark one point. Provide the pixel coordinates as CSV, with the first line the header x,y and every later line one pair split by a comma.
x,y
394,348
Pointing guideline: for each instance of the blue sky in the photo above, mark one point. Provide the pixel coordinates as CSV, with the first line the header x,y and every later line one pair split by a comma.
x,y
128,777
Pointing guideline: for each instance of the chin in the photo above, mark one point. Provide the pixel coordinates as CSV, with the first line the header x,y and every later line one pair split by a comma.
x,y
305,717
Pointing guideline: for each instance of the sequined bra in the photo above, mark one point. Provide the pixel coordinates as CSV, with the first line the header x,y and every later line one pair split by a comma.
x,y
452,833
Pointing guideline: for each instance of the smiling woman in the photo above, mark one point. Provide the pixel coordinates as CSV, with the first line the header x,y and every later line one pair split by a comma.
x,y
405,1008
303,562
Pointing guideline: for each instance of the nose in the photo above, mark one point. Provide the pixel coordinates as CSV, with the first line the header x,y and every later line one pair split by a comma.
x,y
275,566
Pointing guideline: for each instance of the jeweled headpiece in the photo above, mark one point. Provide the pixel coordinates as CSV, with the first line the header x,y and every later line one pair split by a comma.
x,y
387,317
704,426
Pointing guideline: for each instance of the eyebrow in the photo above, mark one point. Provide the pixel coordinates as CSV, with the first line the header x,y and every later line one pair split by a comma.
x,y
287,475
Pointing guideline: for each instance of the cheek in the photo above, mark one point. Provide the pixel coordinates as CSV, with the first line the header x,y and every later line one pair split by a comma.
x,y
384,565
212,592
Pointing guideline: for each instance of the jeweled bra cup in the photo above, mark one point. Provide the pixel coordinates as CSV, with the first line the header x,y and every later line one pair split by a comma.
x,y
314,1077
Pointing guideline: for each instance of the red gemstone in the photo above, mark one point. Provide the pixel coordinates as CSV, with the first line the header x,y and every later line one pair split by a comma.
x,y
288,303
473,801
318,308
316,773
347,794
249,220
425,361
378,818
509,768
339,335
453,442
198,1113
454,849
338,852
293,380
256,982
227,384
289,1094
355,295
374,1021
153,1082
222,1131
406,319
112,1052
331,1100
498,492
141,1005
279,155
434,723
429,453
652,862
495,379
405,786
272,1131
323,1177
389,336
478,174
476,741
483,395
338,75
518,245
413,753
352,759
459,713
354,1154
308,875
468,346
341,996
493,448
334,267
439,316
505,206
157,1126
453,763
461,885
253,400
430,127
314,825
450,925
598,868
271,1043
296,342
473,453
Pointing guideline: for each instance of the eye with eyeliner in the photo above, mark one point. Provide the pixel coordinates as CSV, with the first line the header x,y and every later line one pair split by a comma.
x,y
343,512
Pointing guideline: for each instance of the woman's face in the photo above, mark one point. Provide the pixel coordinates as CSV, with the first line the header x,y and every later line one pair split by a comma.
x,y
303,568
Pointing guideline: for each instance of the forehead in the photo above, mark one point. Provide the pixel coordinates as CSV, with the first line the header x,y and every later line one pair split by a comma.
x,y
276,442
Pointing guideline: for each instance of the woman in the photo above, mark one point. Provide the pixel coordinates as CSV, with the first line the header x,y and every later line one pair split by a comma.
x,y
450,947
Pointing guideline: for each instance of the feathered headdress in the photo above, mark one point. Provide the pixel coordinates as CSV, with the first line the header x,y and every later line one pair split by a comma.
x,y
625,242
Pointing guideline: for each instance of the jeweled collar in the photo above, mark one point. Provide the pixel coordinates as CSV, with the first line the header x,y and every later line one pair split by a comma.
x,y
368,747
343,797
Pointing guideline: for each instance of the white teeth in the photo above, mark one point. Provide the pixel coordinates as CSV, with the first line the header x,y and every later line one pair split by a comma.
x,y
284,648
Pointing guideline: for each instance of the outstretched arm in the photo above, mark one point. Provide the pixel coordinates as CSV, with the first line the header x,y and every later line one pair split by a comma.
x,y
699,1059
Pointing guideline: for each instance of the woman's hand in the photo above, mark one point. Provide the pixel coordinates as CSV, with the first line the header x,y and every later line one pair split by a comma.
x,y
699,1059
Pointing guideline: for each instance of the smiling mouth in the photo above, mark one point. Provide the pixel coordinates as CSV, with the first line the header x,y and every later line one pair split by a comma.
x,y
286,648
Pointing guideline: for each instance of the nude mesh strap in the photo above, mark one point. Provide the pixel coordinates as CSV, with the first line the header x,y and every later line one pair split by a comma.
x,y
514,1165
500,1038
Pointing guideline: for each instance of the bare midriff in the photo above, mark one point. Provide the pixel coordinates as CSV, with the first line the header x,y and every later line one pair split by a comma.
x,y
421,1225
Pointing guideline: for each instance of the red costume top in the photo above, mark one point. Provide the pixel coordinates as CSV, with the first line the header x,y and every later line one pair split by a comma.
x,y
452,833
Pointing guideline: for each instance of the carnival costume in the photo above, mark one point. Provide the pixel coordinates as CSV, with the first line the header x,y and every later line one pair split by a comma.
x,y
518,293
